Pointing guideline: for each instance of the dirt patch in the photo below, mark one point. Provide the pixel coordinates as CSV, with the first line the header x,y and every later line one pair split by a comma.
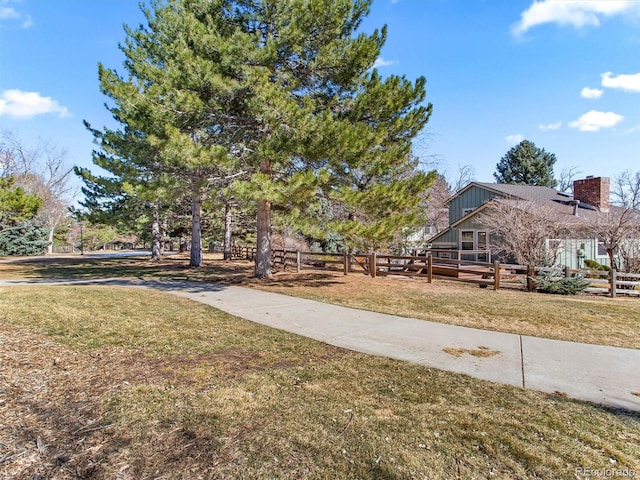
x,y
476,352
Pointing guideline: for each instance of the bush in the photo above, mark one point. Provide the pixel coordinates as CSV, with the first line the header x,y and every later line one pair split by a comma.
x,y
561,286
593,265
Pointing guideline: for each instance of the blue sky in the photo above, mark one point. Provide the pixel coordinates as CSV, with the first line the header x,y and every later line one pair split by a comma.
x,y
563,74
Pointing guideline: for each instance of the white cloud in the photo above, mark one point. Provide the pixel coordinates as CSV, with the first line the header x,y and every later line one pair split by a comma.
x,y
18,104
514,139
382,62
587,92
10,13
551,126
594,120
630,83
576,13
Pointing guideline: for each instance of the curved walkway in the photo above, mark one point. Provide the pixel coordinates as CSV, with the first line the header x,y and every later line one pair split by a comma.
x,y
599,374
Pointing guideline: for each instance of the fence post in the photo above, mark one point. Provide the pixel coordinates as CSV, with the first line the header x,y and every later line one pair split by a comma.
x,y
429,268
531,274
347,260
567,271
613,280
298,261
496,275
373,268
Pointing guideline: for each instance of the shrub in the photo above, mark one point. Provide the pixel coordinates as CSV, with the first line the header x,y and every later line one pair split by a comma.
x,y
593,265
561,286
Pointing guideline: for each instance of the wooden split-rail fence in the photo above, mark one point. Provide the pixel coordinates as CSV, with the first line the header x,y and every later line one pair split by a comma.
x,y
495,275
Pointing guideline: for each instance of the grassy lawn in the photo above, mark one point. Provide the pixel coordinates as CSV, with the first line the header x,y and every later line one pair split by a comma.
x,y
106,382
584,318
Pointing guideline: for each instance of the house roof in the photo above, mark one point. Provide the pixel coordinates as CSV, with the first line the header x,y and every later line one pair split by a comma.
x,y
526,192
525,196
564,210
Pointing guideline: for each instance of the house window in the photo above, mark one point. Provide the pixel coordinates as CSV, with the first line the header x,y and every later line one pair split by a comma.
x,y
481,244
477,241
467,211
555,245
602,252
467,240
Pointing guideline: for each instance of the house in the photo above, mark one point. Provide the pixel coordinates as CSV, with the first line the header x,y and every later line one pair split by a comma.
x,y
467,238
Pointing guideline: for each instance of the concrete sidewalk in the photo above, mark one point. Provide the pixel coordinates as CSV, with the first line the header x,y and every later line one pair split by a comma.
x,y
599,374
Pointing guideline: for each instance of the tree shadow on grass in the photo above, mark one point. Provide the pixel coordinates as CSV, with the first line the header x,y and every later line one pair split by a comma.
x,y
170,273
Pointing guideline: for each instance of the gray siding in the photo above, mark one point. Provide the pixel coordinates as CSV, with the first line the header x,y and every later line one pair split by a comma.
x,y
446,239
472,198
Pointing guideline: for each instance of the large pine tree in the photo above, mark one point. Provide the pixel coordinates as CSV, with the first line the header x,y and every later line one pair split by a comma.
x,y
169,103
283,91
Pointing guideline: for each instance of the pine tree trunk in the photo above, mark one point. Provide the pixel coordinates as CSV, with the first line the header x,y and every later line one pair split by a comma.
x,y
156,253
196,232
263,234
263,240
227,230
163,235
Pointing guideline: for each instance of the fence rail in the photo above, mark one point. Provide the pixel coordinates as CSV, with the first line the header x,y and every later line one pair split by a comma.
x,y
496,275
243,253
612,282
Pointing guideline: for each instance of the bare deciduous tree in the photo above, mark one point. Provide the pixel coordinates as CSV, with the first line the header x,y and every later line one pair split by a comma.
x,y
464,175
619,228
40,170
436,199
438,195
619,231
522,230
625,190
566,178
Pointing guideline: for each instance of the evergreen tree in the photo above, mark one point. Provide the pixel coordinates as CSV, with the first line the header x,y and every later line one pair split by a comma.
x,y
325,109
23,238
20,231
16,204
136,193
282,91
167,101
525,164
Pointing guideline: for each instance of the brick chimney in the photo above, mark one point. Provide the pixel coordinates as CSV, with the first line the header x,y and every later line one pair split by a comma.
x,y
593,191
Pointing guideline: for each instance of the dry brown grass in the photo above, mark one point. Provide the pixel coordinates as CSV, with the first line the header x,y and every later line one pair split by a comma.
x,y
481,352
583,318
105,383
